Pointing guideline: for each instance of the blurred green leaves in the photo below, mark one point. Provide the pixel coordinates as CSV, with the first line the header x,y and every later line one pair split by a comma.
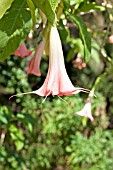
x,y
85,36
17,136
91,153
4,114
41,136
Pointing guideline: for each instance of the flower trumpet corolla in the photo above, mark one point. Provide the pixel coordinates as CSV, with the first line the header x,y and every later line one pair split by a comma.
x,y
34,64
86,111
57,81
22,51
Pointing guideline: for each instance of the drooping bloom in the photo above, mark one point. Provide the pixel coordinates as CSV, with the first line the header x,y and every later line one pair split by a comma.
x,y
57,81
34,64
86,111
22,51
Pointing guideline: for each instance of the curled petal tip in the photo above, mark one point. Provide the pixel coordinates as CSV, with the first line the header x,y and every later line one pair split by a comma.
x,y
15,95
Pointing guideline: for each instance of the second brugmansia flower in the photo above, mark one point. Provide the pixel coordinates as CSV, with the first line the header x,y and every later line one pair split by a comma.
x,y
57,81
34,64
22,51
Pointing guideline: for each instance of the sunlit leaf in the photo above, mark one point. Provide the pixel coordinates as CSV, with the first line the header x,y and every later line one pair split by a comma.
x,y
4,5
48,8
19,144
54,4
32,10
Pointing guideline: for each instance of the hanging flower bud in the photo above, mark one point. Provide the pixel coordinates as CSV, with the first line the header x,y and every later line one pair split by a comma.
x,y
22,51
86,111
34,64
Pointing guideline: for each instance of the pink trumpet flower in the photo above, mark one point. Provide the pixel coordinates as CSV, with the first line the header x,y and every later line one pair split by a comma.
x,y
22,51
57,81
34,64
86,111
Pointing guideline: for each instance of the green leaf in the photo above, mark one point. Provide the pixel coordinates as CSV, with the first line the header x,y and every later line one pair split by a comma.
x,y
85,36
11,46
19,145
30,127
48,9
16,17
4,114
54,4
68,149
67,4
16,133
3,119
14,26
32,10
13,136
64,34
13,128
87,6
4,5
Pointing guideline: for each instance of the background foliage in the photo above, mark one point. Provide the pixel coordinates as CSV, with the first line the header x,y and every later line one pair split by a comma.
x,y
49,135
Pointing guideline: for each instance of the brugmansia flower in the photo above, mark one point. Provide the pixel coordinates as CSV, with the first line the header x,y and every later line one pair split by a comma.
x,y
57,81
34,64
22,51
86,111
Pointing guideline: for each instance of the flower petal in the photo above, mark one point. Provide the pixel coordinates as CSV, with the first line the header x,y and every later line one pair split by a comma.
x,y
34,64
86,111
22,51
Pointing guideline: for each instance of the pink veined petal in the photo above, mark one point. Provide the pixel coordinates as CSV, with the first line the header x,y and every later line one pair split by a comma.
x,y
34,64
86,111
22,51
